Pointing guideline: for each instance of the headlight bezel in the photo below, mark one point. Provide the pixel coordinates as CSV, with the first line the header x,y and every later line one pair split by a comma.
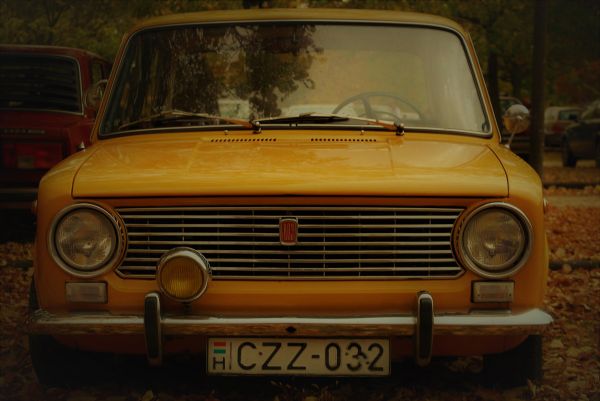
x,y
117,251
512,268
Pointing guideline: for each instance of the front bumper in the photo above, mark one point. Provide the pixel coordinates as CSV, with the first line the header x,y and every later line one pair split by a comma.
x,y
422,325
531,321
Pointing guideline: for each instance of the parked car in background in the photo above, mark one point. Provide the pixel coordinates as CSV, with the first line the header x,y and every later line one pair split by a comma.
x,y
394,226
43,118
582,139
521,142
556,120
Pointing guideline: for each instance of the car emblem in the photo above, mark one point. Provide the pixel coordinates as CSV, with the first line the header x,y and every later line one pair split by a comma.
x,y
288,231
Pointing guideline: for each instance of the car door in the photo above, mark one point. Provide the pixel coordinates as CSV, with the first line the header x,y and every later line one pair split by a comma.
x,y
583,137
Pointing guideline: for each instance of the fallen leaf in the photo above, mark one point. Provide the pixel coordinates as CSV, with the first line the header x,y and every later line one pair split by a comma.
x,y
148,396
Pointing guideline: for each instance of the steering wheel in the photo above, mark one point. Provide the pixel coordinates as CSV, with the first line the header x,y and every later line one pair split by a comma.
x,y
372,113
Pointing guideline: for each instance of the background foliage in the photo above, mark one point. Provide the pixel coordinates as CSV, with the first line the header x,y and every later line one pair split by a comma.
x,y
501,29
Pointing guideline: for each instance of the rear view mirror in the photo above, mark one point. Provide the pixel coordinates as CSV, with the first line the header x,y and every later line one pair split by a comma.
x,y
516,120
93,96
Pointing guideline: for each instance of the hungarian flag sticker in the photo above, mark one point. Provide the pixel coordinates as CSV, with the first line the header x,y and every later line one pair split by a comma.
x,y
218,351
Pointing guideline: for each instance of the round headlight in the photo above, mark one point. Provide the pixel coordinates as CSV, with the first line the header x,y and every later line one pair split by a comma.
x,y
495,240
85,240
183,274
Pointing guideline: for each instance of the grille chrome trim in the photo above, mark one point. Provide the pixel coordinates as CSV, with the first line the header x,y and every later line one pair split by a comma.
x,y
335,243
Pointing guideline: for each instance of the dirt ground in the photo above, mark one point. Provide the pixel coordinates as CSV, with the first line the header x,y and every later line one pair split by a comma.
x,y
571,344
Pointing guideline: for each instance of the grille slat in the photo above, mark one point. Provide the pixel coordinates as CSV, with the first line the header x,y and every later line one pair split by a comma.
x,y
276,226
315,252
272,209
309,261
264,243
276,235
307,217
333,242
327,269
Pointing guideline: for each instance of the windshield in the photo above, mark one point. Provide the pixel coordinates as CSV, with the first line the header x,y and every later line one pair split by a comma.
x,y
418,76
39,82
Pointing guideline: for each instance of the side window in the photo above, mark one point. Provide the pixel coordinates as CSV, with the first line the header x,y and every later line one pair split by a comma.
x,y
97,72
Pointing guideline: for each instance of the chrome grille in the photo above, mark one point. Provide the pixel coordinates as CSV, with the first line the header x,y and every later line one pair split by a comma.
x,y
333,242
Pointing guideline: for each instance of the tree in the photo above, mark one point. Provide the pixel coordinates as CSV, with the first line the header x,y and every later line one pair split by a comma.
x,y
80,24
501,31
539,58
573,62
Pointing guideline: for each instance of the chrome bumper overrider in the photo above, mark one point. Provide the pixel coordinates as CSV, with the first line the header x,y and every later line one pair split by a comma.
x,y
423,325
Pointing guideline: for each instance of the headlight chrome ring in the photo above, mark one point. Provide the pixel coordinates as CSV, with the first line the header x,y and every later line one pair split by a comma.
x,y
91,247
515,241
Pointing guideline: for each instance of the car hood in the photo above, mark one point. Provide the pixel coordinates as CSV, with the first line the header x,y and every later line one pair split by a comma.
x,y
288,165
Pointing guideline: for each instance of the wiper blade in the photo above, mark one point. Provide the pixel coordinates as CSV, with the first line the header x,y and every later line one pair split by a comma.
x,y
178,115
318,118
303,118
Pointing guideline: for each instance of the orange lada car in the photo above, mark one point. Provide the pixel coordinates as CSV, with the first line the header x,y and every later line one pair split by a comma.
x,y
383,221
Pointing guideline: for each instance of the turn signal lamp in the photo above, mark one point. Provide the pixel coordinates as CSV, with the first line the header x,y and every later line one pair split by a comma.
x,y
493,291
183,274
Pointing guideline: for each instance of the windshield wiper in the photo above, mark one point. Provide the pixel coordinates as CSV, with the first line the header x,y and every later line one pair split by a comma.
x,y
255,125
303,118
318,118
179,115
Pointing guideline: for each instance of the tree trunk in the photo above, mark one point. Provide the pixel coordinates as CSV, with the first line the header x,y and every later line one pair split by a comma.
x,y
537,112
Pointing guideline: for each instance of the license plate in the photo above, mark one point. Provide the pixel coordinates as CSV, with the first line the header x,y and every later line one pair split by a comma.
x,y
298,356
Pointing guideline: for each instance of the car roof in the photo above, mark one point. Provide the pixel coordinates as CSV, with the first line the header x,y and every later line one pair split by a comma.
x,y
52,50
302,14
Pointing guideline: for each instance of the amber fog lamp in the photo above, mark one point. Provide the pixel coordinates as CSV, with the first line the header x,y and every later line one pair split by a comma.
x,y
183,274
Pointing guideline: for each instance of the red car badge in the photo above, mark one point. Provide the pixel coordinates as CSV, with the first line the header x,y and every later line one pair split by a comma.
x,y
288,231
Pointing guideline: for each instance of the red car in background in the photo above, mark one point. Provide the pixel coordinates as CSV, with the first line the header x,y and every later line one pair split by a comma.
x,y
556,121
43,117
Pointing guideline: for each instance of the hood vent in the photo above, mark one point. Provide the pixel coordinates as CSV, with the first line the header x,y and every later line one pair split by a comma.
x,y
223,140
339,140
343,140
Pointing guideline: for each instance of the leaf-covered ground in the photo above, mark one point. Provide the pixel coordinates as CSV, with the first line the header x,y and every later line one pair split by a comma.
x,y
572,176
584,174
573,233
